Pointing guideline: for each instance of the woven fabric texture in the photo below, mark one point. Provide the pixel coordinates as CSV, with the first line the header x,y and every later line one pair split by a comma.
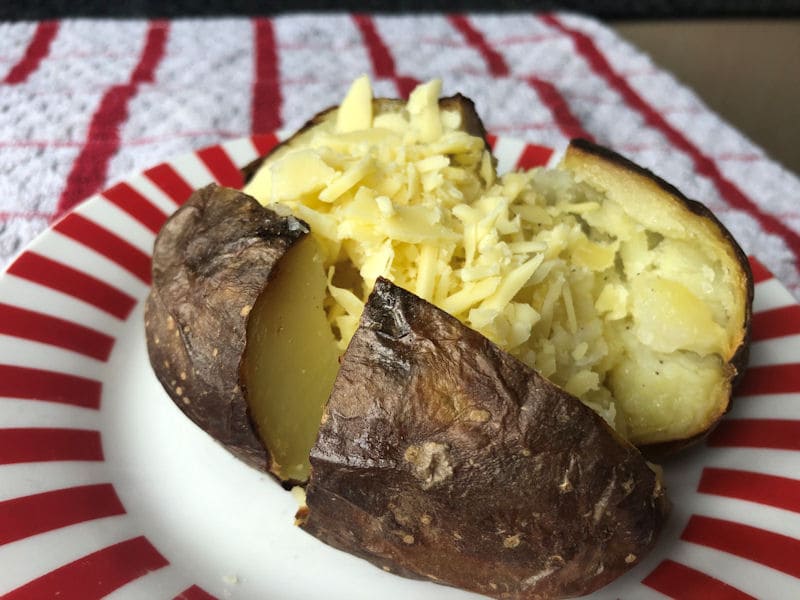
x,y
84,103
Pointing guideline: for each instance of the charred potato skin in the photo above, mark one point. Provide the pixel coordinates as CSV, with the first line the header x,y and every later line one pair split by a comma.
x,y
472,124
441,457
737,362
211,260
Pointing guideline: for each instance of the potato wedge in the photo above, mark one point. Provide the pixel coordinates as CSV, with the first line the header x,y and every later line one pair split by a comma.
x,y
211,261
442,457
290,361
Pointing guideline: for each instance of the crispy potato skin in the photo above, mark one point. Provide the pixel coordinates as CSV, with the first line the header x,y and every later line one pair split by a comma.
x,y
442,457
582,151
211,260
472,123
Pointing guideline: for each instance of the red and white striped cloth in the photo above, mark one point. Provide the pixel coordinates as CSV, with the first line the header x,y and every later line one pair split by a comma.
x,y
85,102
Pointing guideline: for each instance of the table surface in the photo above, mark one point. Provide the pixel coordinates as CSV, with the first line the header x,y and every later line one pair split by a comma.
x,y
748,71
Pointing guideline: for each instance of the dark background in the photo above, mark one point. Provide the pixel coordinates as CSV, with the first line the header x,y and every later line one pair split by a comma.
x,y
604,9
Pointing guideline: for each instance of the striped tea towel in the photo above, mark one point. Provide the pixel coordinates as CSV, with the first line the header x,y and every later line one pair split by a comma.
x,y
85,102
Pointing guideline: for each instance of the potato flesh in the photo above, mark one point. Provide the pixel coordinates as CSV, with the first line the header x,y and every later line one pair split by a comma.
x,y
638,324
664,398
291,360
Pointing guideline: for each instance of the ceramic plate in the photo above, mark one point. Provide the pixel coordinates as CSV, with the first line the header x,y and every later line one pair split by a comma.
x,y
106,489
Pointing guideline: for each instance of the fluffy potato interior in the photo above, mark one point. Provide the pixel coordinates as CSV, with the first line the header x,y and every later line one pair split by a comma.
x,y
641,302
291,360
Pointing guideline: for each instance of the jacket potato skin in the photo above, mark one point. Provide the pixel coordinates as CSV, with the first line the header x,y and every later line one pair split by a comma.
x,y
211,260
471,123
586,158
442,457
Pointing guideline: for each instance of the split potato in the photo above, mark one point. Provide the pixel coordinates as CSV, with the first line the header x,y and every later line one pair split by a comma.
x,y
212,332
442,457
597,273
385,319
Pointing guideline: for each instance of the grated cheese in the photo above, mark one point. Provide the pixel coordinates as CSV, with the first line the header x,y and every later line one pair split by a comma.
x,y
532,260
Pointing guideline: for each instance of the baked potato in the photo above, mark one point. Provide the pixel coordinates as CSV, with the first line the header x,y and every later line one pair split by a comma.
x,y
442,457
459,365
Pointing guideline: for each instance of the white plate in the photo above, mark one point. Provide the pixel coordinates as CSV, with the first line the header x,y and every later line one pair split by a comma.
x,y
107,489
